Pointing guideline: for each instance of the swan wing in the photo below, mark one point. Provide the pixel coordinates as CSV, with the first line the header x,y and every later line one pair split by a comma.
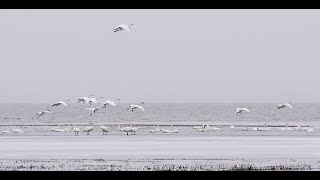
x,y
93,100
109,102
124,27
289,105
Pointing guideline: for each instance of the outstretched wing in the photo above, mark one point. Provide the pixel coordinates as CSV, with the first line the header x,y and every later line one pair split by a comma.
x,y
109,102
62,102
93,100
245,109
140,107
124,27
289,105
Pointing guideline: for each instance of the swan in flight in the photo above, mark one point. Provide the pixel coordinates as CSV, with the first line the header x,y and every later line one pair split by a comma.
x,y
88,128
84,99
42,113
240,110
61,103
123,27
94,100
286,128
94,110
284,105
109,102
133,107
105,129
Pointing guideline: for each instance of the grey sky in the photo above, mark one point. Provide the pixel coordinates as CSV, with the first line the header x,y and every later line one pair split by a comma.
x,y
170,55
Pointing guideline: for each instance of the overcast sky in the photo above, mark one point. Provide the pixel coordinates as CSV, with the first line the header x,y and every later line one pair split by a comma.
x,y
170,56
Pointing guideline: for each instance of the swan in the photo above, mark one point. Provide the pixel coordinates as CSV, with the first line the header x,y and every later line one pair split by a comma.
x,y
157,129
310,130
133,107
123,27
245,129
152,131
169,131
286,128
127,129
61,103
298,128
110,102
284,105
205,128
42,113
240,110
216,128
6,132
59,129
94,109
198,127
88,128
84,99
19,130
232,127
265,128
76,130
94,100
105,129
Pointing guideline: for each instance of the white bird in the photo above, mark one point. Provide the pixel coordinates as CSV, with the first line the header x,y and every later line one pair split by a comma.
x,y
110,102
88,128
94,109
133,107
18,130
198,127
157,129
286,128
310,130
42,113
105,129
284,105
76,130
205,128
6,132
231,127
216,128
264,128
61,103
94,100
127,129
59,129
123,27
245,129
240,110
84,99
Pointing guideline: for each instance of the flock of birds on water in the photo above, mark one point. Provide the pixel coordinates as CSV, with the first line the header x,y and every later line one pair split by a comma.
x,y
130,129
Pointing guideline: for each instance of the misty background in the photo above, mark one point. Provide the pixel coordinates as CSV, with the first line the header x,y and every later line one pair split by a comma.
x,y
171,56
